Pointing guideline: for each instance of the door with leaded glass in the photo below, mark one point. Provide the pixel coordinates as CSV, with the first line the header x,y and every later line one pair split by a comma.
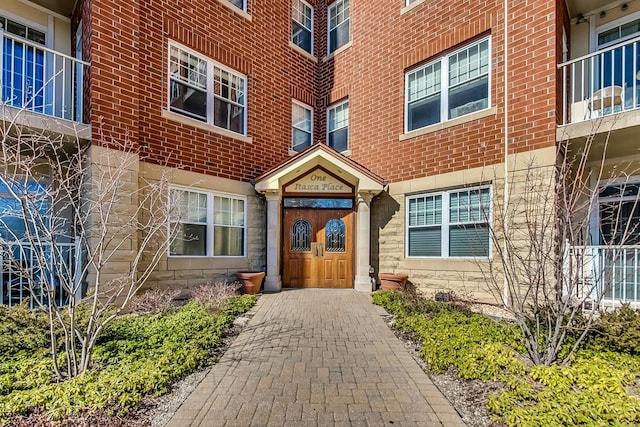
x,y
317,250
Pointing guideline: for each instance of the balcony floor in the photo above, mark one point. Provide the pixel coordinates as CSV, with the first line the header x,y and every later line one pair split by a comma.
x,y
45,123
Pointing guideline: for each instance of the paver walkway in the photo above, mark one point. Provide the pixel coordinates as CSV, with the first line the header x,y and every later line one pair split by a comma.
x,y
316,357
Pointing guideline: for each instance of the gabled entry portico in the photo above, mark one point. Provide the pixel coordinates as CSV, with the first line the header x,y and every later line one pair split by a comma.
x,y
318,221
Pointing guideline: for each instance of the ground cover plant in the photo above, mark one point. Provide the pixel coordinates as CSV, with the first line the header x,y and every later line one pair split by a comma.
x,y
598,387
137,355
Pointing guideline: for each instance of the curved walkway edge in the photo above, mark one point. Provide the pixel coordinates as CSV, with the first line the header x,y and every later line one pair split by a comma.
x,y
316,357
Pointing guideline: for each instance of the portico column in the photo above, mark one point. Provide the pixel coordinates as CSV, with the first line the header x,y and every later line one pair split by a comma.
x,y
273,282
363,233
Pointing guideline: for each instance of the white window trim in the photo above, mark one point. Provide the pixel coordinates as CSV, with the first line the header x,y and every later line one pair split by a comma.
x,y
242,12
341,48
444,225
410,6
609,25
303,105
331,107
46,29
444,86
595,223
210,223
210,95
310,29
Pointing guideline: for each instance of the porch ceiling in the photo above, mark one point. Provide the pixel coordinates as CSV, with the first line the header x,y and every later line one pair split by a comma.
x,y
585,7
62,7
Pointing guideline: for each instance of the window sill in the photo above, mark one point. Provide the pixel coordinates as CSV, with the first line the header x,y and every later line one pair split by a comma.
x,y
178,257
337,51
411,6
346,153
204,126
235,9
449,123
303,52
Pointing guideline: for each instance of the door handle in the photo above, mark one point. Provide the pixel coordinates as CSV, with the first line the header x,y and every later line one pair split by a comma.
x,y
317,250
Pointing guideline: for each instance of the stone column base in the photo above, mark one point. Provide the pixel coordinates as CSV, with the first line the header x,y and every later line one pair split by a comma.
x,y
272,284
363,284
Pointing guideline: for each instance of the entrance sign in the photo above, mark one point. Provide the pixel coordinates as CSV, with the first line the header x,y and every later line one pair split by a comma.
x,y
318,181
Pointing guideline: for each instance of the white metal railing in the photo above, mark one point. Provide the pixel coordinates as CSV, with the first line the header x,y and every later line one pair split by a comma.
x,y
23,276
39,79
601,83
611,273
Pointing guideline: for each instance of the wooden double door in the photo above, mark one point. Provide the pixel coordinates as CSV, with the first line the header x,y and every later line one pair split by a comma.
x,y
318,248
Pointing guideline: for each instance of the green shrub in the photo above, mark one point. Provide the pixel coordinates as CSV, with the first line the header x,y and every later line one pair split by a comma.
x,y
600,388
590,392
137,355
618,331
22,330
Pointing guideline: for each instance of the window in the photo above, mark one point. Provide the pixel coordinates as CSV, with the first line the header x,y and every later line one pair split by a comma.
x,y
23,67
240,4
617,66
207,224
302,119
204,90
410,1
451,223
619,210
450,87
14,225
302,25
338,126
338,24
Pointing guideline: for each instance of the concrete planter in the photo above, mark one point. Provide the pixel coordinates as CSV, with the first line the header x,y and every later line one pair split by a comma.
x,y
251,281
392,281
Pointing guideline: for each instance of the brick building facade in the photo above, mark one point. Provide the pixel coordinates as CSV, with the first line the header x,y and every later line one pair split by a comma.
x,y
428,104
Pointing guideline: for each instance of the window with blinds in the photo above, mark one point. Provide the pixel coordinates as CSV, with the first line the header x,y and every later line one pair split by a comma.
x,y
453,223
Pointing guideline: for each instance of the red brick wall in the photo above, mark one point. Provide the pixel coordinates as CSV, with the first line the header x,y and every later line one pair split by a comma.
x,y
115,81
129,62
386,44
129,84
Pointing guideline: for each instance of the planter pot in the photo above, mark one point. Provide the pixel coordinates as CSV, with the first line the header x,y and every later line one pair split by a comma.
x,y
251,281
392,281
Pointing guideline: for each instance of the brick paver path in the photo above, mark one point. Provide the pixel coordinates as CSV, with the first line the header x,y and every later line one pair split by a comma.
x,y
316,357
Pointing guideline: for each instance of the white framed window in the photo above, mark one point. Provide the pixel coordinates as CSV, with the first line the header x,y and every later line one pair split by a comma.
x,y
207,224
617,31
451,86
449,224
339,23
338,126
240,4
204,90
302,25
619,214
302,126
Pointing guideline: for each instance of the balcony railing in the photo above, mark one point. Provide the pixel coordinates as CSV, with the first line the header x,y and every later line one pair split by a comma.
x,y
601,83
611,274
40,80
24,276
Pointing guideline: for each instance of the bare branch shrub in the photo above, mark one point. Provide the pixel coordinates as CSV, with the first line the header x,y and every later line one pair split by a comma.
x,y
542,265
215,294
153,301
72,210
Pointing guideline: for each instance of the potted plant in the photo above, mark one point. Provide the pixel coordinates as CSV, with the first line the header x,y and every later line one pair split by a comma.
x,y
251,281
392,281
